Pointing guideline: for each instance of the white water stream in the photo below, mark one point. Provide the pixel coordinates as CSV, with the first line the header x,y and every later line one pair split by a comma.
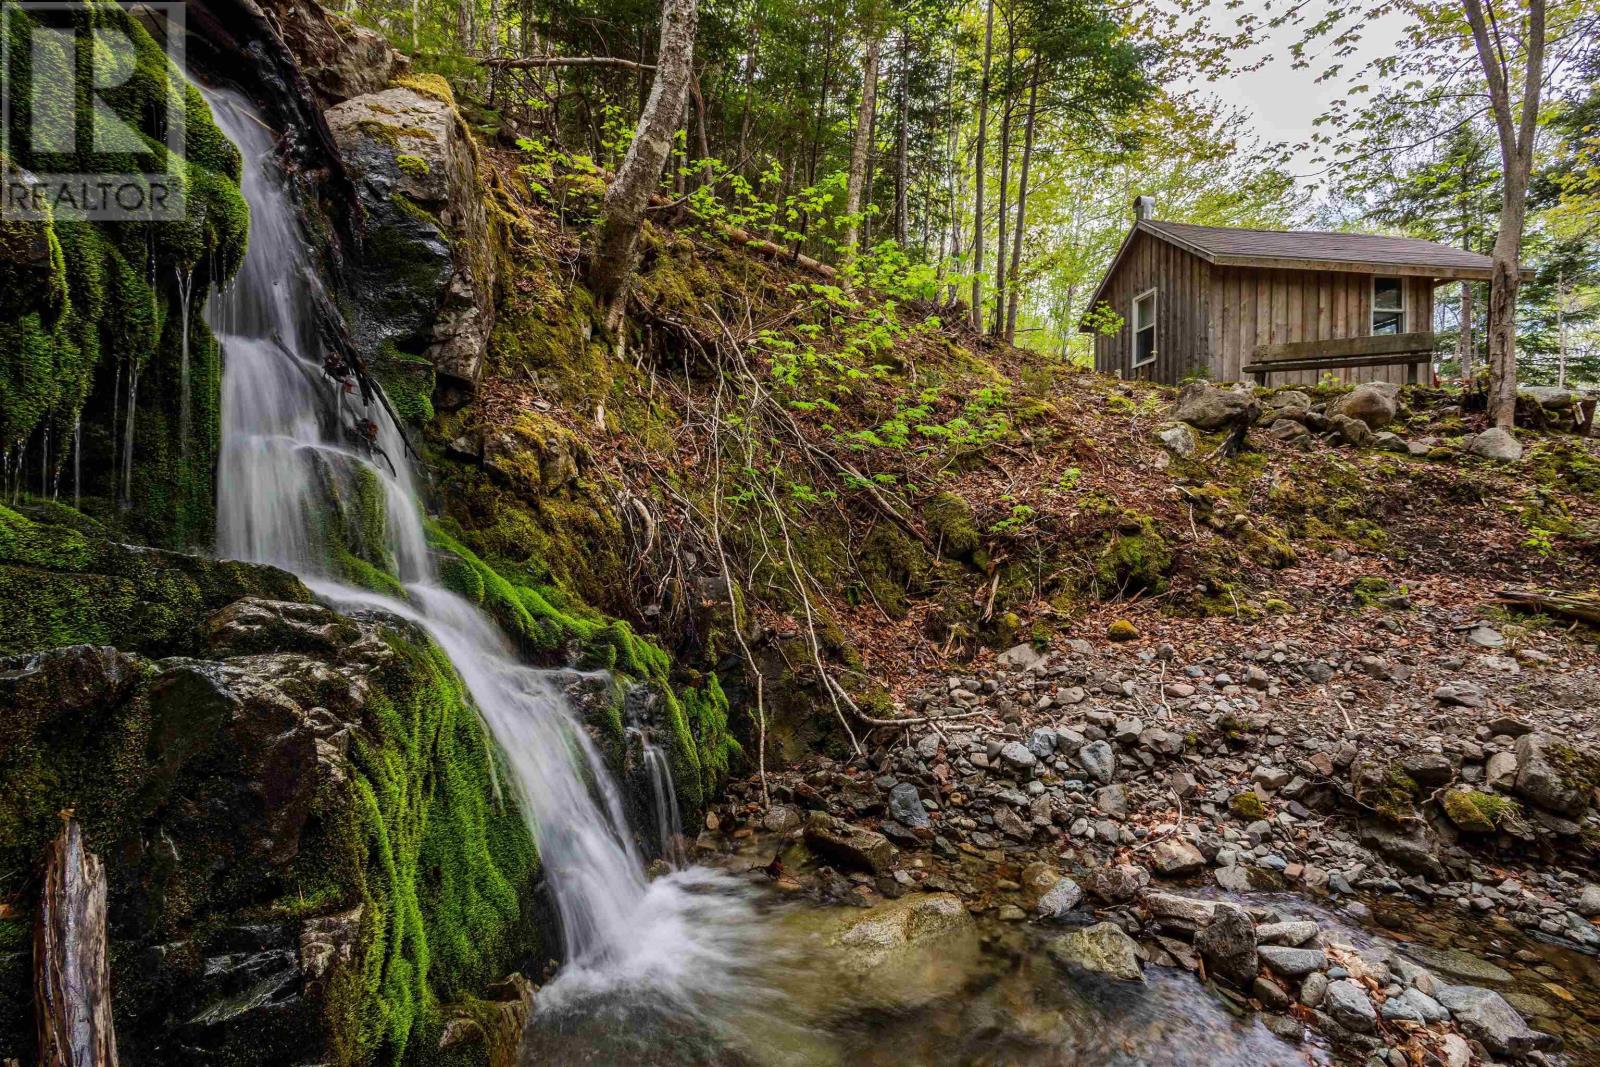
x,y
293,458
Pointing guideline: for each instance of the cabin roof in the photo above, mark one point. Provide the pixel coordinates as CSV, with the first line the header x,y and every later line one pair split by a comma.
x,y
1364,253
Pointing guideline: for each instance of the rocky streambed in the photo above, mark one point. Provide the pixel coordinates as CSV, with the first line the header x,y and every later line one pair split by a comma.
x,y
1378,850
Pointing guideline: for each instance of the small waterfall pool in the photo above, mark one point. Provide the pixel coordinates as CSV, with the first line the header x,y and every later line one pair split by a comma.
x,y
697,966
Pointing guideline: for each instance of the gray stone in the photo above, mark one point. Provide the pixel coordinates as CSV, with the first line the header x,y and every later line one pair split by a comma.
x,y
1177,439
1588,904
1228,944
1390,442
1099,760
1020,657
1501,769
1542,780
1313,989
1295,932
1496,443
1175,857
1117,885
1293,962
1113,800
1485,1015
1042,742
1103,949
1374,403
1413,1005
1060,899
1209,408
1016,755
905,806
1460,694
1347,1003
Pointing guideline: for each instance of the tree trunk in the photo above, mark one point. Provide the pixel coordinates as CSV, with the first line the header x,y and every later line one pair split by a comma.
x,y
1012,291
744,107
1516,135
902,222
1005,184
72,981
977,210
862,145
611,263
816,133
1465,353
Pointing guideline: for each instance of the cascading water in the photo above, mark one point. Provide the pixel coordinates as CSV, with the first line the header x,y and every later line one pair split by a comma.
x,y
295,451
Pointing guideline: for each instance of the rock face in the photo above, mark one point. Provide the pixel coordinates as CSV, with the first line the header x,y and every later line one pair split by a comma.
x,y
338,58
1205,407
425,280
1374,403
262,814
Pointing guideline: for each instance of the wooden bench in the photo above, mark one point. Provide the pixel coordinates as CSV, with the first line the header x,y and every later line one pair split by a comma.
x,y
1380,350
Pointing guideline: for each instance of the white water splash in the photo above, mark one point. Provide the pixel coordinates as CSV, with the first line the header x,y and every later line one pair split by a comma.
x,y
292,456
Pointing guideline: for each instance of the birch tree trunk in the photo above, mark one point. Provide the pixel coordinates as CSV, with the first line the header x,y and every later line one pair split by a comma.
x,y
862,145
977,191
72,981
1012,294
611,262
1516,133
902,221
1005,181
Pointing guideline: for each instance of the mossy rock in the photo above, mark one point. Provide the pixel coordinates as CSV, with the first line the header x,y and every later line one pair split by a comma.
x,y
1477,812
1247,805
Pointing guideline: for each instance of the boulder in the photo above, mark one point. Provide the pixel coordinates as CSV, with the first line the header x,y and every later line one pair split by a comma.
x,y
1208,408
848,845
1103,949
1496,443
253,625
1020,657
1351,431
1116,885
1485,1015
1288,404
1553,774
1228,945
338,57
1374,403
1060,900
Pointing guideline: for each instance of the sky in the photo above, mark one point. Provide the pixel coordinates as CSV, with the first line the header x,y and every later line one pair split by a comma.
x,y
1281,102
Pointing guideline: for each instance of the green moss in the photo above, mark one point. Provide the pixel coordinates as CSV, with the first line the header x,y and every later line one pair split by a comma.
x,y
415,166
1247,805
1476,811
1136,560
1370,590
1122,630
951,525
428,85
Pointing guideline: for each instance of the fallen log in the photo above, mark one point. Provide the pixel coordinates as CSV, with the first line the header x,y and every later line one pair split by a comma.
x,y
72,981
536,62
1583,607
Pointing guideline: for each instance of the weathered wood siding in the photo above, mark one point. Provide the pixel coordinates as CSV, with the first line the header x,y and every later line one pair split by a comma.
x,y
1250,307
1181,281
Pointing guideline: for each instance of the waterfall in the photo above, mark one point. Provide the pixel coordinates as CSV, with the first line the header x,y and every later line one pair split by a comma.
x,y
293,446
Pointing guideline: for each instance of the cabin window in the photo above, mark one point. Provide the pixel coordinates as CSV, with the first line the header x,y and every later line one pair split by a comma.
x,y
1388,306
1144,328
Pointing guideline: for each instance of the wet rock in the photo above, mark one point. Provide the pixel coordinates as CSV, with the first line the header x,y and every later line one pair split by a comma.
x,y
1102,949
252,626
895,924
1546,774
1175,857
1228,945
905,806
66,681
1314,989
782,819
1458,964
850,845
1413,1005
1293,933
1346,1002
1497,444
1485,1015
1293,962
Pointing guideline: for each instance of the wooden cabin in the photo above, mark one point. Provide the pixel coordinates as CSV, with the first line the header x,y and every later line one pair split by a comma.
x,y
1286,305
